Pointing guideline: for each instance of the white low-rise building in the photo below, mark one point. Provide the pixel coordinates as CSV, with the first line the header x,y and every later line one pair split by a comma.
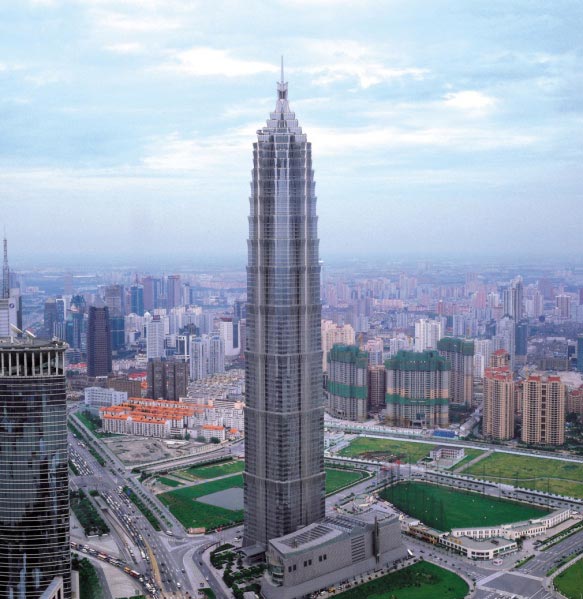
x,y
99,397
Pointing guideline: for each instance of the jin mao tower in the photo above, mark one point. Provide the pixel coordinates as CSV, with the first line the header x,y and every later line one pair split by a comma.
x,y
284,415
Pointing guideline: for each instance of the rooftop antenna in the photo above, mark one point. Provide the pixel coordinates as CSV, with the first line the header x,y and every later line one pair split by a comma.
x,y
5,271
282,68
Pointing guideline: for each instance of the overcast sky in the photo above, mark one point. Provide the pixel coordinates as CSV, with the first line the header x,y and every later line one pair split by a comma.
x,y
438,127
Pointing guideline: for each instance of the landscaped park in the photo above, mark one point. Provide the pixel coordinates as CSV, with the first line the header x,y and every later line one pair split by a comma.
x,y
445,508
419,581
542,474
391,450
212,495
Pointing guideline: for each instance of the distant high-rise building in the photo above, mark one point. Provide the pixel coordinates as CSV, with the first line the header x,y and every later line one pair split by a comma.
x,y
563,303
377,385
117,327
199,358
173,291
10,301
76,329
155,338
506,336
543,410
521,342
98,341
427,334
216,355
114,298
50,318
284,413
137,299
374,348
460,354
498,409
347,383
152,291
34,482
499,359
229,332
514,299
167,379
333,333
580,353
417,390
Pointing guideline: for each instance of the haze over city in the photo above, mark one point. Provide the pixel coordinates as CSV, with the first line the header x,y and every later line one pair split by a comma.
x,y
447,128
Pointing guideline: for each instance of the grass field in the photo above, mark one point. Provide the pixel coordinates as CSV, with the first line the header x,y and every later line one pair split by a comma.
x,y
169,482
419,581
444,508
337,478
211,470
561,478
570,582
191,513
471,454
407,451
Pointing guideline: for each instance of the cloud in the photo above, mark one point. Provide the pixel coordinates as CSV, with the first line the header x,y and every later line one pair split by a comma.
x,y
338,60
470,101
126,48
204,61
332,141
199,154
134,23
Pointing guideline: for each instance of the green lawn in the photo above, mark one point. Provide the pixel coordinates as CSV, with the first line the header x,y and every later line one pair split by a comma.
x,y
419,581
471,454
407,451
338,478
191,513
444,508
542,474
169,482
570,582
212,470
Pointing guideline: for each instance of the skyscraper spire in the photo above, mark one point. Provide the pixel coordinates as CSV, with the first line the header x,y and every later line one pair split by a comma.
x,y
5,272
282,79
282,93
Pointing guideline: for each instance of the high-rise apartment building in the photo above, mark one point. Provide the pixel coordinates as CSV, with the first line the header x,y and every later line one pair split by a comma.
x,y
563,303
207,356
284,414
427,334
543,410
460,354
333,333
98,341
114,298
377,385
152,291
417,390
347,384
499,408
155,338
173,291
34,482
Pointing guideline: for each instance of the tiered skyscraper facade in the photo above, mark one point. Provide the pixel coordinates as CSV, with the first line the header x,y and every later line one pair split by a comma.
x,y
284,415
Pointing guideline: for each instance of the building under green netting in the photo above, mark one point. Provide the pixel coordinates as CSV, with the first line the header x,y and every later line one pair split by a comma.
x,y
347,385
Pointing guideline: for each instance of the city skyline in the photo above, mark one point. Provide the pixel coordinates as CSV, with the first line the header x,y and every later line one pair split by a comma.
x,y
452,137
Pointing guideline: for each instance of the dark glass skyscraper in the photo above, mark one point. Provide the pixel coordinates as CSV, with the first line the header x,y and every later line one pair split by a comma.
x,y
34,483
284,415
98,341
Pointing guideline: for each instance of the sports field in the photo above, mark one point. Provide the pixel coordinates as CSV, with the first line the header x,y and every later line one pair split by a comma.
x,y
407,452
570,582
444,508
542,474
419,581
192,513
337,478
